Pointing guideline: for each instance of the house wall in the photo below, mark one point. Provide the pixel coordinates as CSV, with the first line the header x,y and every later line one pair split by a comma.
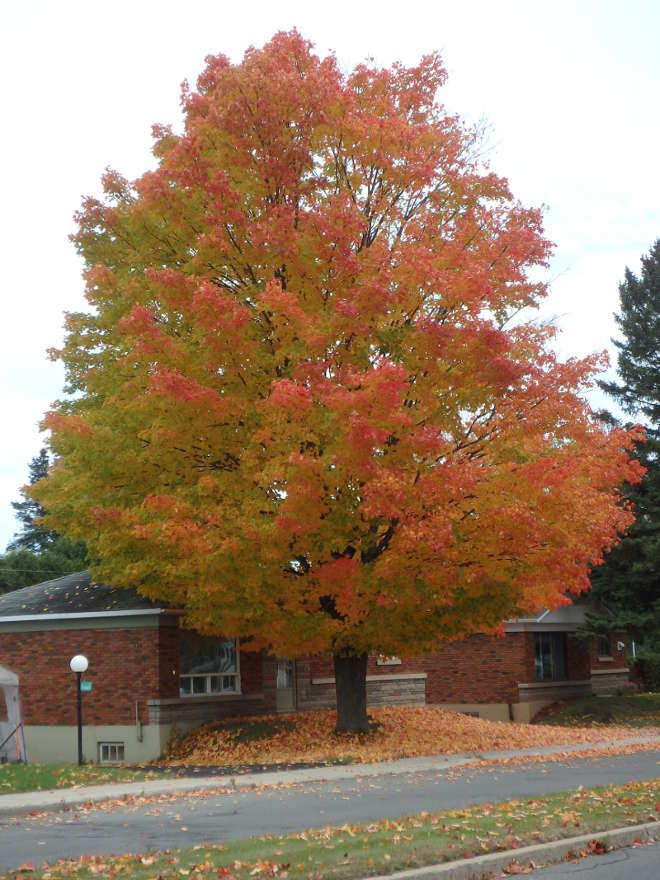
x,y
126,666
608,674
134,670
479,671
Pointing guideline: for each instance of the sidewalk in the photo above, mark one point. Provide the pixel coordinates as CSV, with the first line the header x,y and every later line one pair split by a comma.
x,y
66,798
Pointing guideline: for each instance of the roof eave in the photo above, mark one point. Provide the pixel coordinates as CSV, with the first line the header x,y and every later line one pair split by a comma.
x,y
86,615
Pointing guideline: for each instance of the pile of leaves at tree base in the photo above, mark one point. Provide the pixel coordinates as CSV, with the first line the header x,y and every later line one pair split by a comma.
x,y
398,732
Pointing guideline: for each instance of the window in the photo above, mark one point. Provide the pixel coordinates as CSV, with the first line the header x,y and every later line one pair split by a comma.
x,y
208,666
385,660
550,656
604,646
111,753
284,673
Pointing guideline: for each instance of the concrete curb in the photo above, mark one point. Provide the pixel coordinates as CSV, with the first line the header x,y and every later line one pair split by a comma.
x,y
541,854
68,798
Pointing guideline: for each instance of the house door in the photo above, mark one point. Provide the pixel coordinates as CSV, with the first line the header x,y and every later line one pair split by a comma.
x,y
285,698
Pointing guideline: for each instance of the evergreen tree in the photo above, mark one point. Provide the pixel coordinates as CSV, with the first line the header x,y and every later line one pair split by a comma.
x,y
628,584
33,536
37,554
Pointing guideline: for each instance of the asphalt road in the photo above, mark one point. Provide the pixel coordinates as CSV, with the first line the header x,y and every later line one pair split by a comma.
x,y
164,822
639,863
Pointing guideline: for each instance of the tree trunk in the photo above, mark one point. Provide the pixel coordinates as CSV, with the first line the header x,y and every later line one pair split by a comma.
x,y
351,690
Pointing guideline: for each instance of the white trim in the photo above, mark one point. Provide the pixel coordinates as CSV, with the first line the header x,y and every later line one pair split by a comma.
x,y
535,626
394,676
619,670
28,618
553,684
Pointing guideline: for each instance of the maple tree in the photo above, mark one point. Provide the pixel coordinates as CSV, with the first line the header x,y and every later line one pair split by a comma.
x,y
305,405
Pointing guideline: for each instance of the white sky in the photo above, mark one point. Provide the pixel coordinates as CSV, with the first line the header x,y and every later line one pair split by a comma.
x,y
570,90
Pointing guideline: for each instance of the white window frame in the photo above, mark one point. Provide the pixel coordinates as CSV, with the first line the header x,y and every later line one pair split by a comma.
x,y
207,692
108,746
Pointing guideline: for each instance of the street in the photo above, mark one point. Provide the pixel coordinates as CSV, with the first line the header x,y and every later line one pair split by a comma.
x,y
628,863
187,820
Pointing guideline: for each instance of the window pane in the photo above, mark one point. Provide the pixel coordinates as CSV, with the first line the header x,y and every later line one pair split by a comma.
x,y
284,673
200,654
199,684
550,656
185,686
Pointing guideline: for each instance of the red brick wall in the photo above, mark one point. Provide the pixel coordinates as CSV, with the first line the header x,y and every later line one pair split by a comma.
x,y
577,659
125,665
251,672
619,657
168,664
480,669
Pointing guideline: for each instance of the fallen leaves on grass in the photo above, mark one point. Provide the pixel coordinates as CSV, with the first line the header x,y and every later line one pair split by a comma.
x,y
400,732
425,838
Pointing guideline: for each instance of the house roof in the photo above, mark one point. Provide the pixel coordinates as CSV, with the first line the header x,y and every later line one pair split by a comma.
x,y
73,594
566,617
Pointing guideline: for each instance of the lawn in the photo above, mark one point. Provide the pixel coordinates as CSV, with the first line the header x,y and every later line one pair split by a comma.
x,y
36,777
309,737
632,710
383,846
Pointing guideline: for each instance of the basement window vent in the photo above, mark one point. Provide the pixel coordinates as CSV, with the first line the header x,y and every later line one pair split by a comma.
x,y
111,753
468,712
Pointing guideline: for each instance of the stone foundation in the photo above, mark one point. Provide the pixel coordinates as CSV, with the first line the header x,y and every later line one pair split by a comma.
x,y
609,681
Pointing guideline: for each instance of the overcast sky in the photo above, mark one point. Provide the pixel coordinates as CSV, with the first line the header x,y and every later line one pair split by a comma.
x,y
570,90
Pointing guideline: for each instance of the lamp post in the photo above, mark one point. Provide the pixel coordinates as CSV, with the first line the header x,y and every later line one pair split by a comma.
x,y
79,665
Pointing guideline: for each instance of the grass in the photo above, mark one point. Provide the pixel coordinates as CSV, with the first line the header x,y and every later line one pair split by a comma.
x,y
383,846
631,710
41,777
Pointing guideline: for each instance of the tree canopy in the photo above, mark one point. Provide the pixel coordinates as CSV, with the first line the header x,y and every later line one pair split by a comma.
x,y
305,404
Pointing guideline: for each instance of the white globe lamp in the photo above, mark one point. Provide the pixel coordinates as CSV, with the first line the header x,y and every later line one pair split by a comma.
x,y
79,663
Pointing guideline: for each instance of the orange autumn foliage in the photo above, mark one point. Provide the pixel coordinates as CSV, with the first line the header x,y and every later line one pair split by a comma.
x,y
402,732
310,404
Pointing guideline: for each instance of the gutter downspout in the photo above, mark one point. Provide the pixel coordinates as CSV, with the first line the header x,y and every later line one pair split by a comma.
x,y
138,723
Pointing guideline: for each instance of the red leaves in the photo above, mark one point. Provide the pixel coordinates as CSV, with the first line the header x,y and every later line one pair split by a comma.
x,y
290,397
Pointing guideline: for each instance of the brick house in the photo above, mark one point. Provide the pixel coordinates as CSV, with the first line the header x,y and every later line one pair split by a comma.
x,y
149,675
